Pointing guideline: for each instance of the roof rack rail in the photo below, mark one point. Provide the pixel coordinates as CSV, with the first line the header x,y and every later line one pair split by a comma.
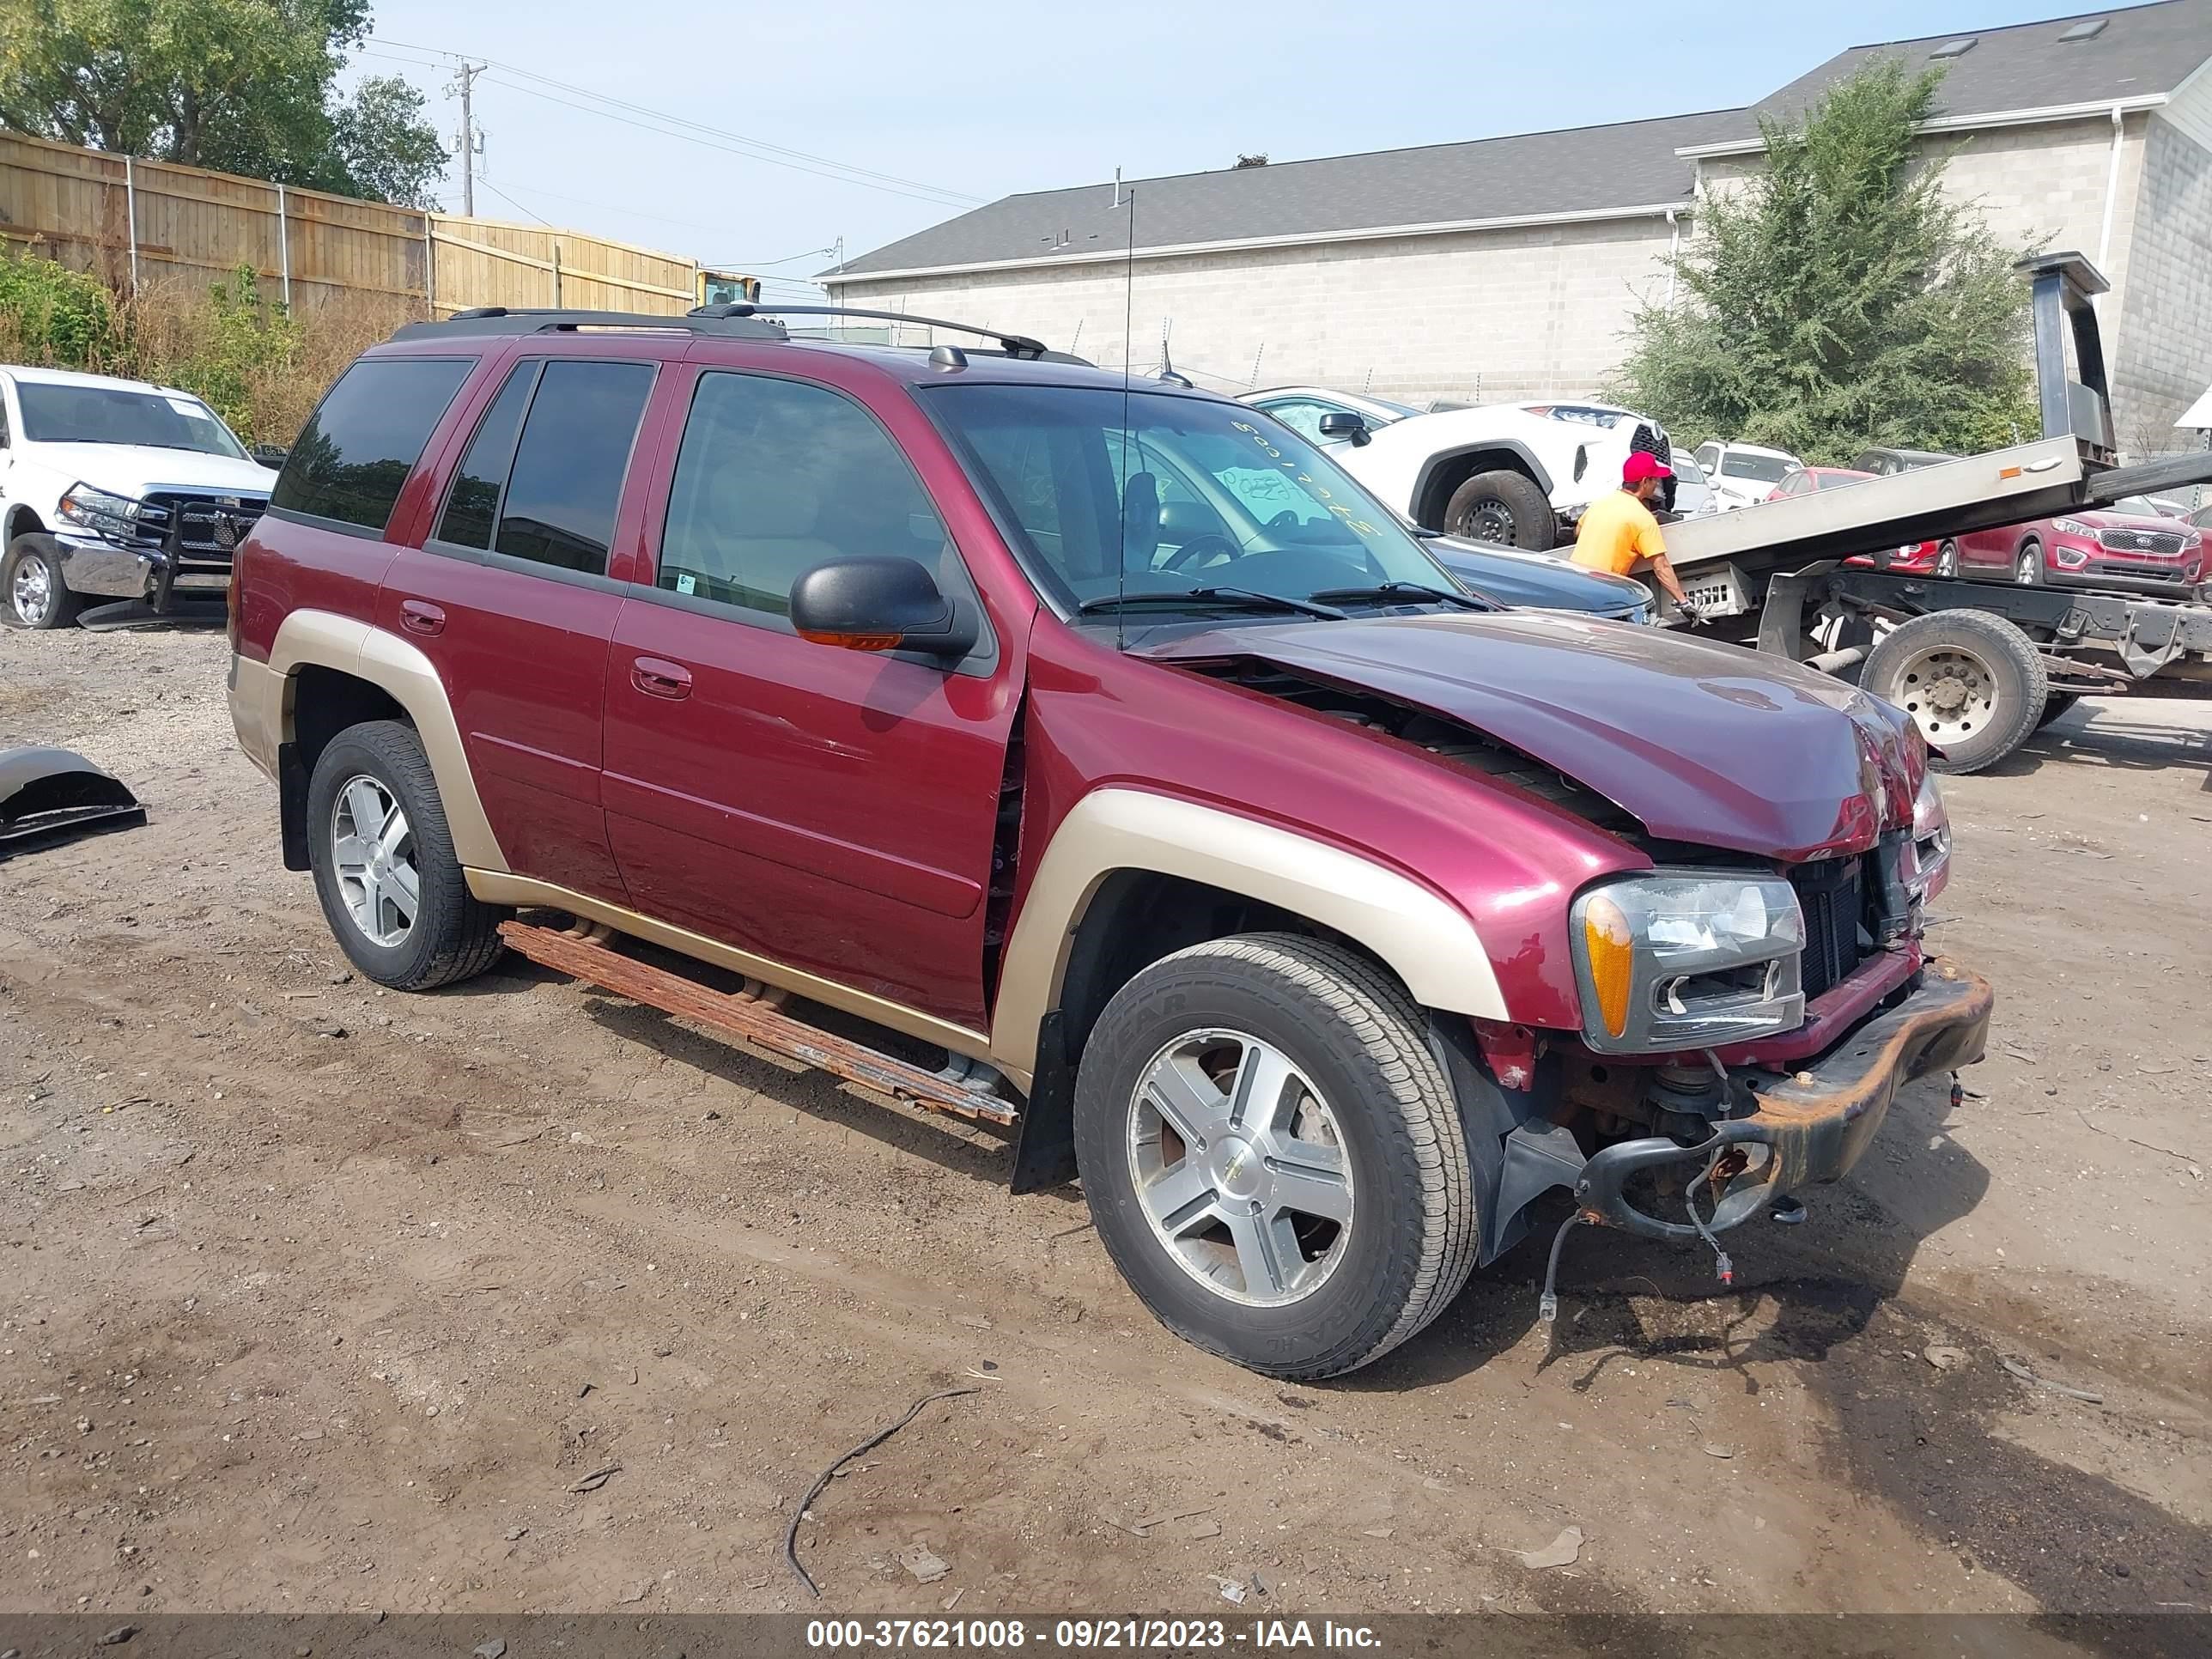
x,y
1014,345
500,320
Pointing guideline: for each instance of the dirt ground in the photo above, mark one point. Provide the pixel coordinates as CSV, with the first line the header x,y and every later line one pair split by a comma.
x,y
318,1298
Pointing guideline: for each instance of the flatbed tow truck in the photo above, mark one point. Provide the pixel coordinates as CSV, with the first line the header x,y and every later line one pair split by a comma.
x,y
1979,665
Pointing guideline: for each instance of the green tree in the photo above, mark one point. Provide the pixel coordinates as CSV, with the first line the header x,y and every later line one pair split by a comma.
x,y
1840,298
241,86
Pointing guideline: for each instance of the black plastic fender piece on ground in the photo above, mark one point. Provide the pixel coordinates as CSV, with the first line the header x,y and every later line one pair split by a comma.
x,y
48,795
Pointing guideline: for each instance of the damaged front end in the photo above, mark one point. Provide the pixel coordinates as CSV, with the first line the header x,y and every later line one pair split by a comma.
x,y
48,795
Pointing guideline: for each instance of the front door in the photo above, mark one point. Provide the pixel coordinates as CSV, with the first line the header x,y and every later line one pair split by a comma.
x,y
510,598
831,809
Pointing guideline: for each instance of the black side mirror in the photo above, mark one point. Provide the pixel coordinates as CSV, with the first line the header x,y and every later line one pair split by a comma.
x,y
1343,423
269,455
878,604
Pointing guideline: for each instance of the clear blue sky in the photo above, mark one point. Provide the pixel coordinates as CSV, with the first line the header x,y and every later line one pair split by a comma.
x,y
987,97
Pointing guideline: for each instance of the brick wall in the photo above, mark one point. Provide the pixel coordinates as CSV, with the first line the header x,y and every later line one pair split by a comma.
x,y
2164,359
1494,315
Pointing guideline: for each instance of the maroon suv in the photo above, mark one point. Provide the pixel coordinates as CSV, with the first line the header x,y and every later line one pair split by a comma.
x,y
1111,744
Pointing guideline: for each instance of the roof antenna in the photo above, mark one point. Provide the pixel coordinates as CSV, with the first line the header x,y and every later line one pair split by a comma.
x,y
1128,344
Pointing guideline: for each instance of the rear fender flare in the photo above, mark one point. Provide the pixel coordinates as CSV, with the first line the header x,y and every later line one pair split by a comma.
x,y
1421,936
262,696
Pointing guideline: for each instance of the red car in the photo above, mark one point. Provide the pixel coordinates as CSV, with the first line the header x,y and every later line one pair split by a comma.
x,y
1917,559
1322,917
2141,545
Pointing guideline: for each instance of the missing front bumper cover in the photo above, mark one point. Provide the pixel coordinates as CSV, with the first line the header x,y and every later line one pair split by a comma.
x,y
1809,1128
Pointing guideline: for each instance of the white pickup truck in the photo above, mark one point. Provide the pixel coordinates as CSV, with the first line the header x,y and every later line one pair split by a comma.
x,y
116,491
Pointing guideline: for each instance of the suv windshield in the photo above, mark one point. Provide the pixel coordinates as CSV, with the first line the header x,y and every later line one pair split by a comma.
x,y
54,413
1180,493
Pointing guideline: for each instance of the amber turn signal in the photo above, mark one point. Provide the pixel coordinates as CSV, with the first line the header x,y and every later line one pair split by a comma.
x,y
853,642
1612,954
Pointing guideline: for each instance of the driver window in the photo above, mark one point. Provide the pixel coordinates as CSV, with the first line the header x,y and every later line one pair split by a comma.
x,y
776,477
1302,416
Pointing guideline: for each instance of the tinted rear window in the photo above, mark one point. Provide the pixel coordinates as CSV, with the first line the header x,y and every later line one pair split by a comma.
x,y
567,480
358,449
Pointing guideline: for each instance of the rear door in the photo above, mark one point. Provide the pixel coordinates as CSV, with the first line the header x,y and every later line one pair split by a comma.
x,y
831,809
511,596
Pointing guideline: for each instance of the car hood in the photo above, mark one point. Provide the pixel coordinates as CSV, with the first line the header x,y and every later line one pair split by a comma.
x,y
2097,521
1708,744
1535,580
129,469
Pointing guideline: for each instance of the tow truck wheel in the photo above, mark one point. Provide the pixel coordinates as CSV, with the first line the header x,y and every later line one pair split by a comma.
x,y
32,592
1972,682
1501,506
1273,1155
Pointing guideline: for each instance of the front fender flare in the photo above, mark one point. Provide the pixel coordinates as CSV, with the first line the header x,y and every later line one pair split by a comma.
x,y
1420,935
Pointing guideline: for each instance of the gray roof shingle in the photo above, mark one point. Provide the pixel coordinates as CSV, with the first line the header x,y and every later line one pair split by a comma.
x,y
2142,49
1582,169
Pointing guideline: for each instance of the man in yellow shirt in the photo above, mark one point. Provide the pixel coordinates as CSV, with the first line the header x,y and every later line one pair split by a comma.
x,y
1617,530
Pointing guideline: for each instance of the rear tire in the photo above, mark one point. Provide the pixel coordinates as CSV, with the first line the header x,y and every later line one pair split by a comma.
x,y
32,592
1353,1119
1974,685
1504,507
378,844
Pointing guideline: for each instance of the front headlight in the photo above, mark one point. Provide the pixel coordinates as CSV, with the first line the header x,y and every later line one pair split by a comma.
x,y
1931,842
1687,959
2074,527
105,514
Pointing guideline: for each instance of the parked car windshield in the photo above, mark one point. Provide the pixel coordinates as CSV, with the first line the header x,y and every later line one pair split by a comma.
x,y
2149,506
1179,492
1683,465
1767,469
54,413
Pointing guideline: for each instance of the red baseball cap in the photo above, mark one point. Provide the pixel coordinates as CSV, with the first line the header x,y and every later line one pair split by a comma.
x,y
1640,466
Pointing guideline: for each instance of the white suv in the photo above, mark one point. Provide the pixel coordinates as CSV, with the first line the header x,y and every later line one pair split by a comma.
x,y
118,490
1516,473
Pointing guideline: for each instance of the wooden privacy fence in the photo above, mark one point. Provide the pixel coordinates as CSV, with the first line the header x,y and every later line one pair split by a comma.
x,y
129,221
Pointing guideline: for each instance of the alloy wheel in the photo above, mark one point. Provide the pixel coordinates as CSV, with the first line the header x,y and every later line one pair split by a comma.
x,y
372,856
1240,1168
32,590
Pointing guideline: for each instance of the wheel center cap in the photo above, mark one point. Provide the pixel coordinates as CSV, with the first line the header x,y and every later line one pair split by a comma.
x,y
1948,693
1238,1168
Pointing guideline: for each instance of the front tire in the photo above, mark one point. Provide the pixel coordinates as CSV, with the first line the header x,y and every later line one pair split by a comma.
x,y
1502,506
391,887
2027,569
1947,559
32,592
1973,684
1273,1155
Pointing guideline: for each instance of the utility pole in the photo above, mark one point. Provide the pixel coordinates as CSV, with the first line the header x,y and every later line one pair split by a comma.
x,y
470,143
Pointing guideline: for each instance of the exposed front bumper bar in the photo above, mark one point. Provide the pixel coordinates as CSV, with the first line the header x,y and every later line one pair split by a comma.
x,y
1810,1127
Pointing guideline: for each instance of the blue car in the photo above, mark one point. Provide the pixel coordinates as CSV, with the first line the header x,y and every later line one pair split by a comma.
x,y
1522,580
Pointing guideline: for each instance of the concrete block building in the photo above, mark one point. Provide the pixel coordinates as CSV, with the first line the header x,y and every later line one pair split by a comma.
x,y
1508,268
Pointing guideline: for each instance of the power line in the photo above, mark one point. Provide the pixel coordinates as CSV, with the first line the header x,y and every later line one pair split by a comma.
x,y
751,155
512,202
755,148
